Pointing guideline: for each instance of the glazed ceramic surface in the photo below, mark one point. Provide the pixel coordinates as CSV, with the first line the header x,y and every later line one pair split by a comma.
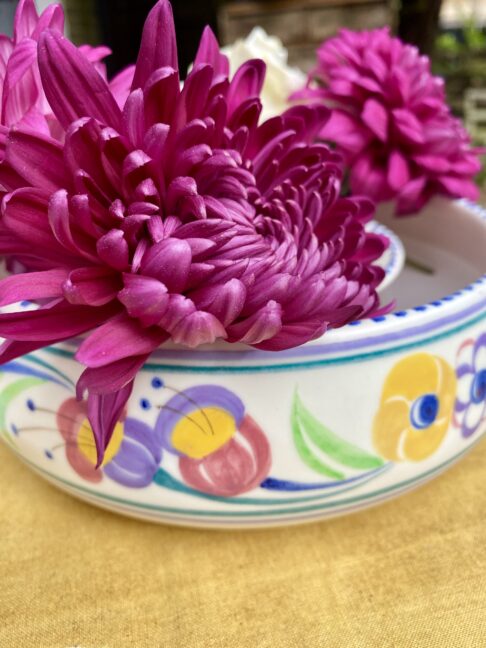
x,y
227,436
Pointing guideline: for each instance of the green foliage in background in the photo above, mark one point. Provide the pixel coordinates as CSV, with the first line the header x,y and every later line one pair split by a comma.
x,y
461,59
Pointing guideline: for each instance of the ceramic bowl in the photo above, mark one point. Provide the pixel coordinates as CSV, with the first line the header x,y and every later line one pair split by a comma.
x,y
227,436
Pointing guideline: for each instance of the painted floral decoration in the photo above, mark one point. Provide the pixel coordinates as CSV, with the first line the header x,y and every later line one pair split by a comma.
x,y
470,408
222,449
416,408
177,217
391,120
131,458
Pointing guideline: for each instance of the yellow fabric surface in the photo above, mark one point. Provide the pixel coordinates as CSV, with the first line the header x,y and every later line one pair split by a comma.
x,y
409,573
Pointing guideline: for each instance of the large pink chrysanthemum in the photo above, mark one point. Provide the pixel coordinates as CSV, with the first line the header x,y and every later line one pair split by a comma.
x,y
177,217
391,120
22,98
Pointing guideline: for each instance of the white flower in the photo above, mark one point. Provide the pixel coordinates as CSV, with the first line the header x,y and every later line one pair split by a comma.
x,y
280,80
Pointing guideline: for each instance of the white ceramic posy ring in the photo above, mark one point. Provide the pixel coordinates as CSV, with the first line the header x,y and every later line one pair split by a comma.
x,y
227,436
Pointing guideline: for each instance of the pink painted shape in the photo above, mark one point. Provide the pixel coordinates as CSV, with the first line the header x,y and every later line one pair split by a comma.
x,y
233,469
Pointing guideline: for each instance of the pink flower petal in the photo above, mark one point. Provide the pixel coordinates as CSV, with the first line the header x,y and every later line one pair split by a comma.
x,y
118,338
37,158
104,411
158,48
398,170
25,20
144,298
32,285
375,117
209,52
169,261
72,85
91,286
60,322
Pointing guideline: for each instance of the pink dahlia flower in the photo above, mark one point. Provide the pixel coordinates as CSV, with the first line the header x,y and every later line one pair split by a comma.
x,y
391,121
177,217
22,98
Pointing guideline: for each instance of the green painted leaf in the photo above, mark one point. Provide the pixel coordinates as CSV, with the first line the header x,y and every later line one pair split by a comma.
x,y
341,451
306,454
10,392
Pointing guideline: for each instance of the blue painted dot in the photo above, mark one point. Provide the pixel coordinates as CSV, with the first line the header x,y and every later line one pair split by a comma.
x,y
145,404
448,298
49,454
31,405
437,302
400,313
157,383
355,323
424,411
379,318
14,429
478,387
469,288
420,308
25,304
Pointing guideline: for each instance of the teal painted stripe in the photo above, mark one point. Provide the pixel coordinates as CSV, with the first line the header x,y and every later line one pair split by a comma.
x,y
237,368
165,480
257,513
35,360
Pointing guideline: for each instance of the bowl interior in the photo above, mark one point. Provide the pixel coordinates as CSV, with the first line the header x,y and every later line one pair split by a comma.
x,y
445,251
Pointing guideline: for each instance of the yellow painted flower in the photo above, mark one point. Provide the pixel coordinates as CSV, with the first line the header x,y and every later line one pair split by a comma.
x,y
416,408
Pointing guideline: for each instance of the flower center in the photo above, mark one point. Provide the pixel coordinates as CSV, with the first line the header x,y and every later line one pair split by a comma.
x,y
203,431
424,411
86,443
478,387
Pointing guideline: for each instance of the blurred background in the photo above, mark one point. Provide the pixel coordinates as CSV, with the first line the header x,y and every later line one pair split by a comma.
x,y
452,32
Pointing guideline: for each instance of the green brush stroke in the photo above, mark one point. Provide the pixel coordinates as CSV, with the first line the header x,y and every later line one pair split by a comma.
x,y
305,453
8,394
341,451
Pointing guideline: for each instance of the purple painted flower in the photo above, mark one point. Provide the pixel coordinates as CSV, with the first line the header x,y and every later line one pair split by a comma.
x,y
391,120
132,456
470,409
177,216
222,450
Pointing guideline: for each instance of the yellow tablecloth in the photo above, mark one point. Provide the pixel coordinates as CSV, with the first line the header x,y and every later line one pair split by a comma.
x,y
409,573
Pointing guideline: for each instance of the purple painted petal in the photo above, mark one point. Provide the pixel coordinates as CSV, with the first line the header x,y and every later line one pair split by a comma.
x,y
191,400
134,464
73,87
158,48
